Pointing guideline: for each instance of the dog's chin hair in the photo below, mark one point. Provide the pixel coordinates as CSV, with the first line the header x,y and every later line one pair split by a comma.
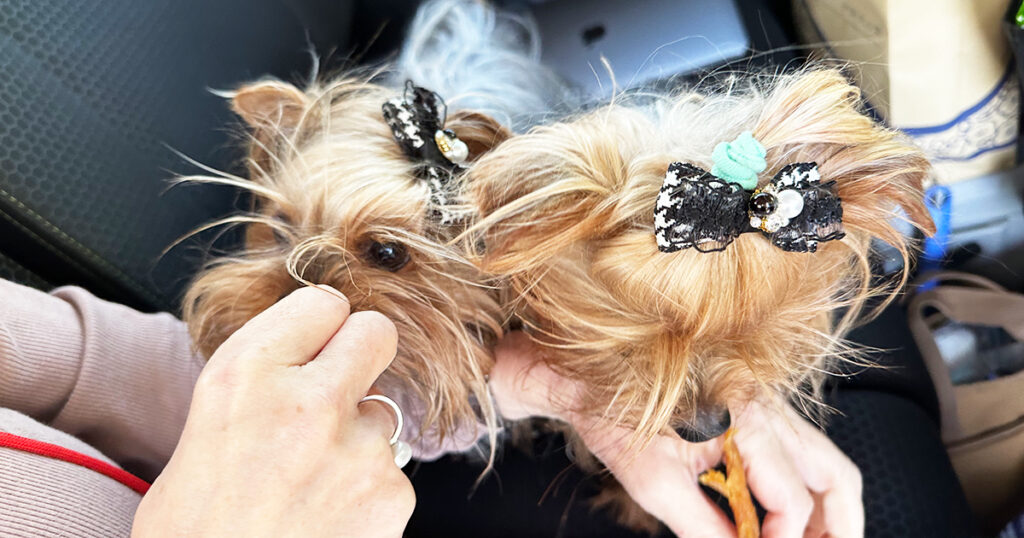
x,y
566,212
440,360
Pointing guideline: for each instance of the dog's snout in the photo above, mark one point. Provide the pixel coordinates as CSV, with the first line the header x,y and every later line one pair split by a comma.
x,y
710,422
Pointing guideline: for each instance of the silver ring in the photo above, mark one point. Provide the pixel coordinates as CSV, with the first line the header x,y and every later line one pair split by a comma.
x,y
394,407
401,450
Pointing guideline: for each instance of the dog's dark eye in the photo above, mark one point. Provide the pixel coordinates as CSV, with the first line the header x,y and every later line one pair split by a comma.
x,y
388,256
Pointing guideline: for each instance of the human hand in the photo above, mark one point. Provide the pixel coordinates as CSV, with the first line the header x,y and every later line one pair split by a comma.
x,y
276,444
805,483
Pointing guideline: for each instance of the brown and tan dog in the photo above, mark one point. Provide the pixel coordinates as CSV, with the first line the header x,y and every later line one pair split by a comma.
x,y
337,202
670,341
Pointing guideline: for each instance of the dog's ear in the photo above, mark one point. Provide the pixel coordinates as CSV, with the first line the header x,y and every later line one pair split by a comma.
x,y
270,104
818,116
274,111
480,132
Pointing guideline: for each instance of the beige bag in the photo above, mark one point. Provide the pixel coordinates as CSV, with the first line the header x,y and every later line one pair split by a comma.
x,y
982,422
941,70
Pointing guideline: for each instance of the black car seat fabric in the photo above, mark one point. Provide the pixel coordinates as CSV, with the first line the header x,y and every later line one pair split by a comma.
x,y
95,99
15,272
910,488
897,367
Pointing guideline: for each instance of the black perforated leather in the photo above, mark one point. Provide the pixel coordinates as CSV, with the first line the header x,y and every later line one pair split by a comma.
x,y
93,96
910,488
15,272
899,369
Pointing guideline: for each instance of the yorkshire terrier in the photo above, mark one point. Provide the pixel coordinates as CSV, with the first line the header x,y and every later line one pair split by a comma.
x,y
621,239
354,182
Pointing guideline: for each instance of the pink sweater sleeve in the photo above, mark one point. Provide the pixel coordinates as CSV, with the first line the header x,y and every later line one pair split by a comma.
x,y
116,378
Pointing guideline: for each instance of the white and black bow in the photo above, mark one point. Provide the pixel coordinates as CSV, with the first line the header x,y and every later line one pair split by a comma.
x,y
696,209
417,122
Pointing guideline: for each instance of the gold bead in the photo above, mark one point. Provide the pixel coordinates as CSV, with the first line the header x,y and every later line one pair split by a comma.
x,y
442,141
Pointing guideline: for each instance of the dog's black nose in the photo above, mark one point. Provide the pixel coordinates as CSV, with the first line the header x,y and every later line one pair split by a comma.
x,y
710,422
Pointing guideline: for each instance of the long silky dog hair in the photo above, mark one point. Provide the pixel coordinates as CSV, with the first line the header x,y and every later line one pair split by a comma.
x,y
336,201
672,340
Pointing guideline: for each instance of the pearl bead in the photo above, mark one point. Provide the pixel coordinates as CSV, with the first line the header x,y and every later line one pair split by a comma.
x,y
791,203
402,452
459,152
450,146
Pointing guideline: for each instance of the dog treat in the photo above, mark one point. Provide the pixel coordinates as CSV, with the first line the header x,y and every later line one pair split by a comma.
x,y
734,487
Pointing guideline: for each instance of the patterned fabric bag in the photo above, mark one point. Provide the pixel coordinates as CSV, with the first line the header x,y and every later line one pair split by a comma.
x,y
940,70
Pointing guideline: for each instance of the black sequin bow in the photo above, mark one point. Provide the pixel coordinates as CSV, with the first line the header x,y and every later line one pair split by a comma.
x,y
698,210
417,120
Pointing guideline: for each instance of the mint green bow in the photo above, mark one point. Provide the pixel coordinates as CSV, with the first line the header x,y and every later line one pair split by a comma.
x,y
739,161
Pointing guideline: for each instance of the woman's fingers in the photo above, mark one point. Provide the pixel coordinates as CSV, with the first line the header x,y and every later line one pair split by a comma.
x,y
670,492
836,514
696,515
833,479
273,448
662,478
809,487
669,473
523,386
804,482
378,416
290,332
843,509
355,356
776,483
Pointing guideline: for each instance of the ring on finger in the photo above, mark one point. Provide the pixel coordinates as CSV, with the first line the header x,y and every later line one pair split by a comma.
x,y
401,450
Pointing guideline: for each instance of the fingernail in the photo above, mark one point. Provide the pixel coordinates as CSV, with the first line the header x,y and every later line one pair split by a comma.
x,y
332,291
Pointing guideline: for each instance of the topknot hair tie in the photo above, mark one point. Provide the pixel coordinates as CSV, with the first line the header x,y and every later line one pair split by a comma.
x,y
739,161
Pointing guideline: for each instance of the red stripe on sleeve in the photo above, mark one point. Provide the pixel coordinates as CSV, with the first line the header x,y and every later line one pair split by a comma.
x,y
57,452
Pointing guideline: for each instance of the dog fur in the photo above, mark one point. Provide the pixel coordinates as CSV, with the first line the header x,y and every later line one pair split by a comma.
x,y
566,214
329,181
